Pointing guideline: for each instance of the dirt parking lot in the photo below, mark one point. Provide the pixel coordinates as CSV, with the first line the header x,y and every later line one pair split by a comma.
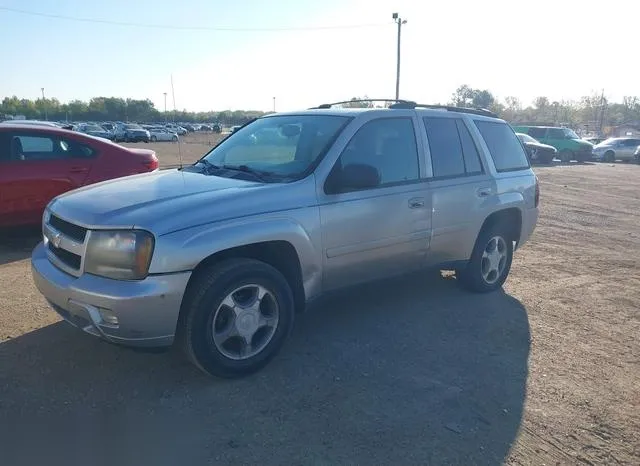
x,y
412,372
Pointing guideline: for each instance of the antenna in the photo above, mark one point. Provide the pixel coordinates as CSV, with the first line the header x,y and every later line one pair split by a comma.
x,y
173,96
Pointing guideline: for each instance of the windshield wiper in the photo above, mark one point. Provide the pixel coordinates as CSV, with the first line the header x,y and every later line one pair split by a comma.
x,y
259,175
208,165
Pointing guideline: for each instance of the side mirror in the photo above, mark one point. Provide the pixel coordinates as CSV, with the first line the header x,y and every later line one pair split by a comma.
x,y
352,177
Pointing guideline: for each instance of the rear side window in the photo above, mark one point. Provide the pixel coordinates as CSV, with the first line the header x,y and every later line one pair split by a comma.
x,y
505,148
453,152
444,144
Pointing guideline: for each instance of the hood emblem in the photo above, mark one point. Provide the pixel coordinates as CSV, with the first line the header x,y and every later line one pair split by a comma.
x,y
56,240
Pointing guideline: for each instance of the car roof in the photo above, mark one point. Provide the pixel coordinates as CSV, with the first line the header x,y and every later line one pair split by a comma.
x,y
353,112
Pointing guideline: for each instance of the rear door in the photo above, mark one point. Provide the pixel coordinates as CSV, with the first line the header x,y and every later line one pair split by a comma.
x,y
627,149
460,185
38,167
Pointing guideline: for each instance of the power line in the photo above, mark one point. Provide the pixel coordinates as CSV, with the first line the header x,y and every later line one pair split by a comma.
x,y
185,28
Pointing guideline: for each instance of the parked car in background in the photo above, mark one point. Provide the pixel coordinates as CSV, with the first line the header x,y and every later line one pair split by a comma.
x,y
94,130
595,140
235,128
636,155
179,130
568,144
613,149
38,163
222,253
216,128
131,133
111,127
536,151
158,133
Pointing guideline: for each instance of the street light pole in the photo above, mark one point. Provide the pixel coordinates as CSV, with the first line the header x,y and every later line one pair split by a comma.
x,y
44,104
274,105
165,108
399,21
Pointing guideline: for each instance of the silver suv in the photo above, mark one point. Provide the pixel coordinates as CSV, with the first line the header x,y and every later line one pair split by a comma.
x,y
221,254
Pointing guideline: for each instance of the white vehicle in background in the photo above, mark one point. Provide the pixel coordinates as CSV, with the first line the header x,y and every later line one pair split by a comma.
x,y
158,133
179,130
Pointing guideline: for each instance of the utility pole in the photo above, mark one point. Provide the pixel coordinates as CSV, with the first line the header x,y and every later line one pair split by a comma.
x,y
165,108
601,113
44,104
274,105
399,21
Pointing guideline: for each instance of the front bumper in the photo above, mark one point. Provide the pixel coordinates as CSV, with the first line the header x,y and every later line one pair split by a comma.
x,y
146,310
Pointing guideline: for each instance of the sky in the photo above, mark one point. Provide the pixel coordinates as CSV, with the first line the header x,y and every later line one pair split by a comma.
x,y
240,54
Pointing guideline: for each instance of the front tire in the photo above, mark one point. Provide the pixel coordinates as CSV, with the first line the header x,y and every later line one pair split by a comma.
x,y
490,261
154,139
609,156
235,317
566,155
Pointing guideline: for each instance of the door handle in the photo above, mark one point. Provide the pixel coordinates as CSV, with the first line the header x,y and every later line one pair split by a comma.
x,y
483,192
416,203
77,170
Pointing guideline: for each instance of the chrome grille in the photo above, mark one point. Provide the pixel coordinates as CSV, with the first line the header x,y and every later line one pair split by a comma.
x,y
75,232
65,243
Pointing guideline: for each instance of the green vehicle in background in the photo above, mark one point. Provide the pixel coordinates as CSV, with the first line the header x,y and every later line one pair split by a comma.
x,y
569,145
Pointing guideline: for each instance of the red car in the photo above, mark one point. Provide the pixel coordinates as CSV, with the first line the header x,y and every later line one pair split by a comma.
x,y
39,162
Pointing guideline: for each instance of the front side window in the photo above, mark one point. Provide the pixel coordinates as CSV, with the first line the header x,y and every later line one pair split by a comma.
x,y
279,146
505,148
388,147
537,133
32,147
557,133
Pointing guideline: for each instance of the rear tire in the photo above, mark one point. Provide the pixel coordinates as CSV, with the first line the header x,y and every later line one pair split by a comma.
x,y
154,139
213,296
493,251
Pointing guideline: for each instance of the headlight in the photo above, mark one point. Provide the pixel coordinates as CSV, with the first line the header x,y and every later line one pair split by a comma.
x,y
119,254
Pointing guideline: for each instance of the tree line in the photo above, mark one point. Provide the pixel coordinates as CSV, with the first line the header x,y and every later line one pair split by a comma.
x,y
593,113
113,109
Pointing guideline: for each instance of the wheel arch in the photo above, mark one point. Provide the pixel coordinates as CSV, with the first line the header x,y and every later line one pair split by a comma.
x,y
510,216
280,254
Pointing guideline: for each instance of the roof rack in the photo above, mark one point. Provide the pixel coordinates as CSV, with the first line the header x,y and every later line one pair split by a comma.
x,y
450,108
356,101
408,104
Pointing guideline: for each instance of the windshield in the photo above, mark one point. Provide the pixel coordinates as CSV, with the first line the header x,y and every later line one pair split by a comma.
x,y
610,142
285,146
570,134
93,128
132,127
526,138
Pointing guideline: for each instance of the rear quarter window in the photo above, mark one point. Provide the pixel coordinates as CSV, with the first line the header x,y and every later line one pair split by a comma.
x,y
503,144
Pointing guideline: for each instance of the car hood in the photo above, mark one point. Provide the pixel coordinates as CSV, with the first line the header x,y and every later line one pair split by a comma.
x,y
170,200
540,146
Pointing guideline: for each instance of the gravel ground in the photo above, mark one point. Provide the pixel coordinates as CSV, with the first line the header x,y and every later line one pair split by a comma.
x,y
412,372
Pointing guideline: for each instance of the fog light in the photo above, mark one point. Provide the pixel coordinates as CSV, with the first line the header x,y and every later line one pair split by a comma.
x,y
108,317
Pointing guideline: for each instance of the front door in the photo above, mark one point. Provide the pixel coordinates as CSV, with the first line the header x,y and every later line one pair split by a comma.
x,y
382,229
34,168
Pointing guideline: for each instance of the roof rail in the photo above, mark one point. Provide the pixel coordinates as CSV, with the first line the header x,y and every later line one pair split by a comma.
x,y
408,104
356,101
451,108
